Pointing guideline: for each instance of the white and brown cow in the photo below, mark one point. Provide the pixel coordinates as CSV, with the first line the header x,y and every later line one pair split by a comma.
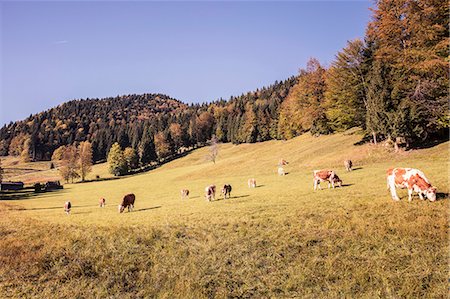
x,y
67,207
251,183
210,192
184,194
226,191
413,180
127,202
348,165
282,162
102,202
326,176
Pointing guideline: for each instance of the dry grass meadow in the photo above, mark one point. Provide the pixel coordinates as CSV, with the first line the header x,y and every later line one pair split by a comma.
x,y
279,240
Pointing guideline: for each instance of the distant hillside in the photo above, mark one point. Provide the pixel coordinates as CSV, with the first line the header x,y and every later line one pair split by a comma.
x,y
134,120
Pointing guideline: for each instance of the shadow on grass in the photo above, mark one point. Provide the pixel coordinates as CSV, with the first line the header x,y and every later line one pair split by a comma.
x,y
26,194
346,185
356,168
441,195
60,207
146,209
259,186
194,197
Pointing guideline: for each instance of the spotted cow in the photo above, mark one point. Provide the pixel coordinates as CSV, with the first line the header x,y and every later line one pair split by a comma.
x,y
67,207
226,191
326,175
184,194
251,183
413,180
210,192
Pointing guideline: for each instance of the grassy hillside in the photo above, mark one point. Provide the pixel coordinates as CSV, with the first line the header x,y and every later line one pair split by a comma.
x,y
280,239
33,172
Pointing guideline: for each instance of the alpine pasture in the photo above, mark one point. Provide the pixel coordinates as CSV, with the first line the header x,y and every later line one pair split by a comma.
x,y
278,240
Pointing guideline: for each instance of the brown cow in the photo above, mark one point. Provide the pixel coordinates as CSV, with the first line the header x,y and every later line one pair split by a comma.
x,y
102,202
348,165
210,192
251,183
127,202
413,180
184,194
326,175
226,190
67,207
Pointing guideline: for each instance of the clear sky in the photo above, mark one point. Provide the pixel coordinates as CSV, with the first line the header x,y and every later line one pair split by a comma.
x,y
52,52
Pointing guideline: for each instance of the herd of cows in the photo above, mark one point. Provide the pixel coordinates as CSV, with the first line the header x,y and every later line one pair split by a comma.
x,y
412,179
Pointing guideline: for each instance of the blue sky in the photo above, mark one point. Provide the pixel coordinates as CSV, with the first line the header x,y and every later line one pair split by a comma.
x,y
52,52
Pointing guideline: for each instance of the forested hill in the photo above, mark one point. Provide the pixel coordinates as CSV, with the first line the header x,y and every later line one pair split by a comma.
x,y
140,121
393,83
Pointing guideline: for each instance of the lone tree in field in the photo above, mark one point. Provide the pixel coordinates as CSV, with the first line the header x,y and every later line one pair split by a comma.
x,y
213,149
116,160
69,164
84,159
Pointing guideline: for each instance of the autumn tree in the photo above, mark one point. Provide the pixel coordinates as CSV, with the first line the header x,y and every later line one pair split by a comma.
x,y
117,164
58,153
25,155
177,134
84,159
162,145
411,38
213,149
131,158
303,108
69,164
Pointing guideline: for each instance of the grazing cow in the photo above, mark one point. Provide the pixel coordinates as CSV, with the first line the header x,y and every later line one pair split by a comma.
x,y
251,183
413,180
281,171
348,165
326,175
226,190
282,162
210,192
102,202
67,207
184,194
127,202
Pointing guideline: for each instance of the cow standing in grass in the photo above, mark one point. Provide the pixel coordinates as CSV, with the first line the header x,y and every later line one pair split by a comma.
x,y
281,163
251,183
184,194
127,202
326,175
67,207
210,192
413,180
226,191
102,202
348,165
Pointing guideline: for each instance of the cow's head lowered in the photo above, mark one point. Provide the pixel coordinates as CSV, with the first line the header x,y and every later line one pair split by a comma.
x,y
431,193
121,208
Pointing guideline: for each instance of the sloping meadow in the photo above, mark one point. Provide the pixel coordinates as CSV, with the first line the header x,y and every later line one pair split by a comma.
x,y
280,239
